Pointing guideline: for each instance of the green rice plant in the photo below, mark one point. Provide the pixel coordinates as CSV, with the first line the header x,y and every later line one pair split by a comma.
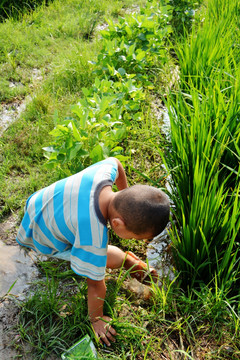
x,y
203,156
218,9
206,210
211,50
163,297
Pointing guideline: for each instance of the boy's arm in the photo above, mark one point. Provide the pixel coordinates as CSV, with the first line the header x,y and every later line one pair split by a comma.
x,y
96,296
121,181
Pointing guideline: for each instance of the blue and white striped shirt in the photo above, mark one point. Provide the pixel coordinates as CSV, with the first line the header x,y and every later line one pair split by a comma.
x,y
66,215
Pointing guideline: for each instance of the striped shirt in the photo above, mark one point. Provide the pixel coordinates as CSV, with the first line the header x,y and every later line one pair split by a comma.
x,y
66,215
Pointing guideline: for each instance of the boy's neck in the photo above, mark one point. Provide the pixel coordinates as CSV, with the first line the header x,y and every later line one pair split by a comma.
x,y
106,197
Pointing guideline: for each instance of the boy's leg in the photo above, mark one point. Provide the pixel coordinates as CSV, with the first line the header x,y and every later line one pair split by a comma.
x,y
116,258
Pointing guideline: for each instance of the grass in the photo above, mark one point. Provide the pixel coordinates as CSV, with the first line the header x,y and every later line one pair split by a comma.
x,y
179,321
169,323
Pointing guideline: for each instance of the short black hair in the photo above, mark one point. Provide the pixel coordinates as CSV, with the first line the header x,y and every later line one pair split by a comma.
x,y
143,208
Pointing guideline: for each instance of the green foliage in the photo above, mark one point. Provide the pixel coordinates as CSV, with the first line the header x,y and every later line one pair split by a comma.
x,y
132,51
203,160
183,15
102,119
204,156
210,66
136,45
54,316
15,8
44,55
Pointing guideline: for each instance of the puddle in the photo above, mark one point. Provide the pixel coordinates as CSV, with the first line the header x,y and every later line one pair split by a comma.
x,y
166,126
17,270
159,257
15,265
8,113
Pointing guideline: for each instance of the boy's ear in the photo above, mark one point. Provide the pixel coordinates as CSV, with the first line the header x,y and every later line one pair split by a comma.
x,y
117,223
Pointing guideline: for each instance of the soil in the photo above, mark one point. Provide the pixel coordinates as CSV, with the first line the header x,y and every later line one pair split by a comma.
x,y
8,230
14,266
8,318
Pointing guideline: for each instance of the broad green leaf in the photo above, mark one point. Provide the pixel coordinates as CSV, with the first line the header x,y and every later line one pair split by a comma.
x,y
97,153
121,71
59,131
74,150
142,37
85,91
49,149
140,55
76,134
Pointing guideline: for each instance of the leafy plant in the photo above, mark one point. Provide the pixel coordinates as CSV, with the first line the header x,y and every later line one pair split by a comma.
x,y
183,15
131,50
136,45
102,119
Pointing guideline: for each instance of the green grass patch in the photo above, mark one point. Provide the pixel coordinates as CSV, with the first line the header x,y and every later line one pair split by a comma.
x,y
171,322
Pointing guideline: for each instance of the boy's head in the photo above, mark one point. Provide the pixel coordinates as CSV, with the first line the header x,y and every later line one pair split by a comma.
x,y
143,212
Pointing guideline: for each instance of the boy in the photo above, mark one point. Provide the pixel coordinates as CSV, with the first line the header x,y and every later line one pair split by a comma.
x,y
70,217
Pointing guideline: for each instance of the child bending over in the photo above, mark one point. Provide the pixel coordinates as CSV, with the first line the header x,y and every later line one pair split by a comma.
x,y
68,219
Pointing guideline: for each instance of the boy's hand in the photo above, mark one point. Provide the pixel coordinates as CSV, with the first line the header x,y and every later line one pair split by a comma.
x,y
104,331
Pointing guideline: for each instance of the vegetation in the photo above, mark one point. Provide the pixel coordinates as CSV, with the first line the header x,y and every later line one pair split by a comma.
x,y
13,8
126,66
111,82
204,156
37,60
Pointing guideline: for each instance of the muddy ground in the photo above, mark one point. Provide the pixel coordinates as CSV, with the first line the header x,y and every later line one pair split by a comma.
x,y
17,271
14,266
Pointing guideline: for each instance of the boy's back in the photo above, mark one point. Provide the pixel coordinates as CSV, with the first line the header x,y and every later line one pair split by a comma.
x,y
66,215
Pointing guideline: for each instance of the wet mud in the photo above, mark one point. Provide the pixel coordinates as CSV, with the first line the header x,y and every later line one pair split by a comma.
x,y
17,271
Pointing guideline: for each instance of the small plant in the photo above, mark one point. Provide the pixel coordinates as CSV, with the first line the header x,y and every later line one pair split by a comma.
x,y
101,123
16,8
